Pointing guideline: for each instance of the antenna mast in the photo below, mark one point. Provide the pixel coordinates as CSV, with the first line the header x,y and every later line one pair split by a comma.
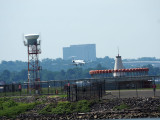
x,y
118,50
34,49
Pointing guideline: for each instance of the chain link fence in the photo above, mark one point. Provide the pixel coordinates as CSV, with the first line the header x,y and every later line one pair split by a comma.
x,y
128,87
102,88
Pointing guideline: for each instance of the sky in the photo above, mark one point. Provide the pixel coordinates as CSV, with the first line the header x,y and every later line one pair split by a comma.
x,y
131,25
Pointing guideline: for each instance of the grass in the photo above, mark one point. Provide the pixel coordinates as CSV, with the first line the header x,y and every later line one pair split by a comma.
x,y
13,111
157,86
121,107
48,109
4,99
61,96
10,108
52,90
134,89
66,107
63,108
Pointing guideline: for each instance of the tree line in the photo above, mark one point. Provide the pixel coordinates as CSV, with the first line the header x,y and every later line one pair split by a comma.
x,y
60,64
45,75
55,64
72,73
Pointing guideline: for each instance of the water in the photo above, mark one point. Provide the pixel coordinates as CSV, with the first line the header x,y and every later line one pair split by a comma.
x,y
140,119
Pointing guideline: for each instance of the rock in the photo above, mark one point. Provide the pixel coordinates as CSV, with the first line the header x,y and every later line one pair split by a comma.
x,y
80,117
138,108
95,116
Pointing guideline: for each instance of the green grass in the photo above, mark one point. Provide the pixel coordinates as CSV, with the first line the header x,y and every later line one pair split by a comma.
x,y
3,99
83,106
61,96
157,86
52,90
121,107
43,91
133,89
67,107
48,109
10,108
17,93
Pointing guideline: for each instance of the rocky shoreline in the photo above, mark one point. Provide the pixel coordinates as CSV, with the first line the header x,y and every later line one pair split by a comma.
x,y
87,116
104,109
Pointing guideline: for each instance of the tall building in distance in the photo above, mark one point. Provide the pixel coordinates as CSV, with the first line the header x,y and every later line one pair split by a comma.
x,y
85,52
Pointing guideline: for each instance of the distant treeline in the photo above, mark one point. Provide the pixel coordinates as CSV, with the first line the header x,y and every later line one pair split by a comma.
x,y
143,59
72,73
56,64
60,64
45,75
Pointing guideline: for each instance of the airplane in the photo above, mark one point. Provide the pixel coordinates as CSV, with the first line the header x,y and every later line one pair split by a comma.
x,y
78,62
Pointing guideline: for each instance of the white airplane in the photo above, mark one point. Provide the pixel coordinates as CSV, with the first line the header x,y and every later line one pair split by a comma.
x,y
78,62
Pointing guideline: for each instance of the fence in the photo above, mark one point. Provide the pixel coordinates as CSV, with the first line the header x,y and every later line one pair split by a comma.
x,y
128,87
110,87
85,89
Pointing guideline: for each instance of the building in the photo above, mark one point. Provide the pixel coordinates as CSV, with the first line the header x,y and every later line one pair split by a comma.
x,y
85,52
121,78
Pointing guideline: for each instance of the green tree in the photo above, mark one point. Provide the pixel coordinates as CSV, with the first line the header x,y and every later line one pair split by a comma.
x,y
5,76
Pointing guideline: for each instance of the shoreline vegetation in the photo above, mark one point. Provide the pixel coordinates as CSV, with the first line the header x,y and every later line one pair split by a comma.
x,y
57,107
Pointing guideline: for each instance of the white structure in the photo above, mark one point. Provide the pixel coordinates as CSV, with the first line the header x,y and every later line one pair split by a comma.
x,y
118,66
32,39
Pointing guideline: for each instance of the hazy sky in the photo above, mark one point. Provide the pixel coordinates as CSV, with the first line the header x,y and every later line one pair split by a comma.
x,y
133,25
